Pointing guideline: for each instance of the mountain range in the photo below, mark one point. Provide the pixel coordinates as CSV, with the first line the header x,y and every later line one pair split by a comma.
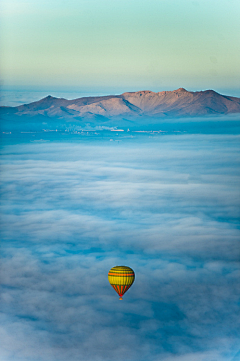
x,y
176,103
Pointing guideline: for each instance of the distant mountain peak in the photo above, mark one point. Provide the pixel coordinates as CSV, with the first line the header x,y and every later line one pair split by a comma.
x,y
181,90
49,97
209,91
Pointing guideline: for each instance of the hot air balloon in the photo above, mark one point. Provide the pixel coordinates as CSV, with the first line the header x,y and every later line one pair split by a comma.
x,y
121,279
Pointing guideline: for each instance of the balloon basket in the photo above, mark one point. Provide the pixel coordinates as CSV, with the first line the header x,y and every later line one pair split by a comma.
x,y
120,298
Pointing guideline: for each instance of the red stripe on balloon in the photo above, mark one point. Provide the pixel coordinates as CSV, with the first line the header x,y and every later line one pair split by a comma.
x,y
121,274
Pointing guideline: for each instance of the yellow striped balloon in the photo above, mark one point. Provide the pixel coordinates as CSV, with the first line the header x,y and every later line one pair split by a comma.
x,y
121,279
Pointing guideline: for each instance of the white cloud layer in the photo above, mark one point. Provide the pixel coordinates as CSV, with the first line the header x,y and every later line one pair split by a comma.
x,y
169,209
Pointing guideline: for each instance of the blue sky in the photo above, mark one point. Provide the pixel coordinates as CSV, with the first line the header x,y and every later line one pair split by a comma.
x,y
113,46
168,207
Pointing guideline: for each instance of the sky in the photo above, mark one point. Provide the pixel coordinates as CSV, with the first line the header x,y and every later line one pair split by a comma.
x,y
105,46
166,206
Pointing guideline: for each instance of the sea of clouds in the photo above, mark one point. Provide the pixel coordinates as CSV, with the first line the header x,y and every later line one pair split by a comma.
x,y
168,207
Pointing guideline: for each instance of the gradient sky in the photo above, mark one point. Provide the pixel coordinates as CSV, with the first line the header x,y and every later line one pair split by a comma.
x,y
121,45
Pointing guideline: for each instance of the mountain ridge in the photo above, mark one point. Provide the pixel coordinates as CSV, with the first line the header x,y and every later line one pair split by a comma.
x,y
176,103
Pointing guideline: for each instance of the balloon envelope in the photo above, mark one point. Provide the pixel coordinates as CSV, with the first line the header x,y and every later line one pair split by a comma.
x,y
121,279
